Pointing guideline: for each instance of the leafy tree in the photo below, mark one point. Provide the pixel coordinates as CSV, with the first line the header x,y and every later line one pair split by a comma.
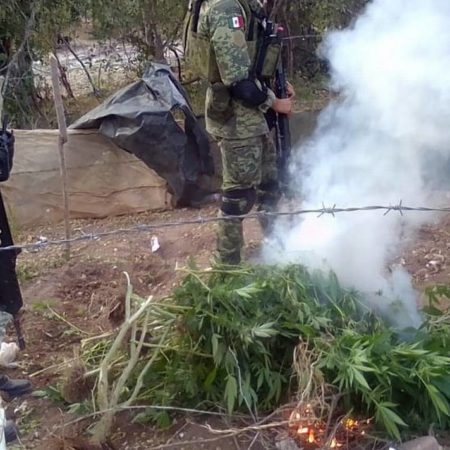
x,y
151,25
306,21
29,30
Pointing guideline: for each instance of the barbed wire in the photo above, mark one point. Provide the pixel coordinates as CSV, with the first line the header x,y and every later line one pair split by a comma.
x,y
45,243
302,36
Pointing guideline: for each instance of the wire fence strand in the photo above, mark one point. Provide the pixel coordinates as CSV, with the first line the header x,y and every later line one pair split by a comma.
x,y
45,243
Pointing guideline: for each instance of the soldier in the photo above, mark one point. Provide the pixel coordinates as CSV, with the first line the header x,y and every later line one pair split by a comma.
x,y
222,39
10,304
10,295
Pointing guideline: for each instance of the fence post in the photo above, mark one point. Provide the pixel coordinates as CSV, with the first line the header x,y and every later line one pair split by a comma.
x,y
2,80
62,139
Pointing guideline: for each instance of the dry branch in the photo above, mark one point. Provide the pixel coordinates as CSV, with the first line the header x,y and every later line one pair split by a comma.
x,y
86,71
61,141
108,396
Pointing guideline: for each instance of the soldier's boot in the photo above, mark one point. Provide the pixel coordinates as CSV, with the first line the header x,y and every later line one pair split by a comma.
x,y
14,388
11,431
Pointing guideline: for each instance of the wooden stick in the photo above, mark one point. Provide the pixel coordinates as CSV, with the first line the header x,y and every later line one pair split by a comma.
x,y
2,79
61,141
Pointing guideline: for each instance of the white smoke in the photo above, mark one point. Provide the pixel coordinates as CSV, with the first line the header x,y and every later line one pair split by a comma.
x,y
379,143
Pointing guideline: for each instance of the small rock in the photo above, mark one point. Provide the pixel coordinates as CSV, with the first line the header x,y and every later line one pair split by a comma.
x,y
423,443
287,444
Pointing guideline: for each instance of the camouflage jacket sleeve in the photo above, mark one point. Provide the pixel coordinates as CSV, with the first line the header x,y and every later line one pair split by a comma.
x,y
227,34
264,107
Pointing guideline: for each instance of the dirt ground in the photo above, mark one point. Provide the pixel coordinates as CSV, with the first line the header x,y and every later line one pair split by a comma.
x,y
70,301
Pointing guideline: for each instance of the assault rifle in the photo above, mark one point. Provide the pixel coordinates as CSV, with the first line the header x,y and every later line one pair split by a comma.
x,y
279,85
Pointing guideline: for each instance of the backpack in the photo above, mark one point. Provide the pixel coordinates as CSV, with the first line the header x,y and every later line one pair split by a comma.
x,y
6,152
200,57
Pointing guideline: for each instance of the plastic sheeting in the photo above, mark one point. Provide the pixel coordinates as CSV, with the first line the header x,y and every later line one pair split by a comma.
x,y
140,119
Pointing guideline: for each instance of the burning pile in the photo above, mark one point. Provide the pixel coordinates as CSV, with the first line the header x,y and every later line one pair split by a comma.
x,y
312,432
237,338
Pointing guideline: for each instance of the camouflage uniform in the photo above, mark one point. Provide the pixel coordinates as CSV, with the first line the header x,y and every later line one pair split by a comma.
x,y
5,319
10,295
248,153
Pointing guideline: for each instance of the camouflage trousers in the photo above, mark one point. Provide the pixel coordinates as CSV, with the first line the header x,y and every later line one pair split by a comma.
x,y
250,166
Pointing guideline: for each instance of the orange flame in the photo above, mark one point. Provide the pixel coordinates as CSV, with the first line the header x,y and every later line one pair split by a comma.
x,y
335,444
350,423
312,431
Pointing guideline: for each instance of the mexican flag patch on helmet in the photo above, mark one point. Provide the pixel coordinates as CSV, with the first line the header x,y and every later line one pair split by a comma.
x,y
236,22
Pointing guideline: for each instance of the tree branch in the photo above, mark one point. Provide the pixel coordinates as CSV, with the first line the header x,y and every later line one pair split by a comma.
x,y
91,81
276,7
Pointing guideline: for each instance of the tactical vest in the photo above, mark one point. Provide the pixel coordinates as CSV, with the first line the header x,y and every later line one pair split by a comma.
x,y
199,53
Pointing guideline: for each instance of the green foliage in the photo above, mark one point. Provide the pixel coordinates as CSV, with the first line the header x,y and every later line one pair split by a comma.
x,y
54,394
323,15
29,30
231,336
50,392
149,24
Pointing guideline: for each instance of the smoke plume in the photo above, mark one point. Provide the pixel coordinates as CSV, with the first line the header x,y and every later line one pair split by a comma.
x,y
386,139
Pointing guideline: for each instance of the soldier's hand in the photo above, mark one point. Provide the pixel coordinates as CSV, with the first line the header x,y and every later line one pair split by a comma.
x,y
283,106
290,90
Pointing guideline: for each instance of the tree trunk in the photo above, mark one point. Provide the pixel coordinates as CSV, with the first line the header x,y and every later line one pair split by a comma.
x,y
289,49
21,93
158,46
153,38
18,90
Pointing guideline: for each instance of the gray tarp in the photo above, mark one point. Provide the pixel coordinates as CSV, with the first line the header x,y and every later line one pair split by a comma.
x,y
139,119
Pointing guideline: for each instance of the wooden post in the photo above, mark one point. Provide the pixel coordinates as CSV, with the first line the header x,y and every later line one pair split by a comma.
x,y
1,96
62,139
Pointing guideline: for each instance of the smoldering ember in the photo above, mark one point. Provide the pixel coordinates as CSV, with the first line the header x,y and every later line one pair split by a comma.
x,y
224,224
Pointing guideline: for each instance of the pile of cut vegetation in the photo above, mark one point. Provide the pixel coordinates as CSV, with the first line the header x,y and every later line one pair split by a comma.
x,y
252,338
